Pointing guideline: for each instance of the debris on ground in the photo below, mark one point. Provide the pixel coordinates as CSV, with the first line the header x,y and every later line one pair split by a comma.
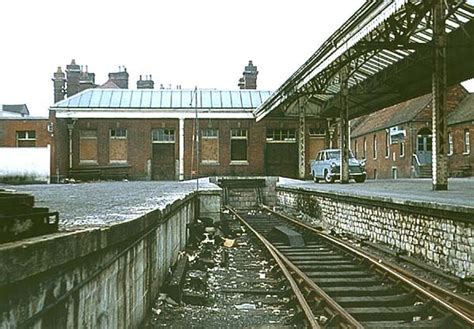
x,y
229,283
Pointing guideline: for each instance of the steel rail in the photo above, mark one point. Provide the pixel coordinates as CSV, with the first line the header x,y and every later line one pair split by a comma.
x,y
331,306
460,313
294,286
466,305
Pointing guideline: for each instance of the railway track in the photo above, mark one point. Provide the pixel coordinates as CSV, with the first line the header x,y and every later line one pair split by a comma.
x,y
339,286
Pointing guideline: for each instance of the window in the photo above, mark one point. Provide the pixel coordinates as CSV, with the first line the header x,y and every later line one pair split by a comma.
x,y
163,135
281,135
26,138
467,142
118,146
450,144
319,131
210,146
238,145
88,146
402,149
365,148
374,146
387,143
118,133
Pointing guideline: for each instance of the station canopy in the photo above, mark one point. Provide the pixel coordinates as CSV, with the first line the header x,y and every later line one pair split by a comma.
x,y
386,49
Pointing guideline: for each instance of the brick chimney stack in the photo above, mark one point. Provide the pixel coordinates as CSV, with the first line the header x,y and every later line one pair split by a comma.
x,y
73,72
120,78
59,81
249,79
87,80
148,83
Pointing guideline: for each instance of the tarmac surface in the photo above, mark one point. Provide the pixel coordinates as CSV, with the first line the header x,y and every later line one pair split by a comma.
x,y
460,193
103,203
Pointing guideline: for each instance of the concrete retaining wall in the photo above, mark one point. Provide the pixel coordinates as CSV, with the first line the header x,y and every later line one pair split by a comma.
x,y
94,278
441,235
24,164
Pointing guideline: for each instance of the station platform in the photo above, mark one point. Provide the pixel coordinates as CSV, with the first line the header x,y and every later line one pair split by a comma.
x,y
105,203
459,196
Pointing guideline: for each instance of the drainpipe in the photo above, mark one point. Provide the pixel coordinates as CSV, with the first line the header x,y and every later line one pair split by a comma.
x,y
181,149
70,126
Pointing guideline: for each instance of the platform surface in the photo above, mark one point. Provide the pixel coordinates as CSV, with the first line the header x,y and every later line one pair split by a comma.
x,y
460,193
105,203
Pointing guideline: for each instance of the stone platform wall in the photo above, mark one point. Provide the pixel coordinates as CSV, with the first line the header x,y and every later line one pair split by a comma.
x,y
93,278
441,235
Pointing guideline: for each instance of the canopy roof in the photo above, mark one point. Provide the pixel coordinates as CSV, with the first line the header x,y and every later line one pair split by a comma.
x,y
386,48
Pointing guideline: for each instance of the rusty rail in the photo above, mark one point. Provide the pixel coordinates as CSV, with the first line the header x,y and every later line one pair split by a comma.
x,y
457,305
330,306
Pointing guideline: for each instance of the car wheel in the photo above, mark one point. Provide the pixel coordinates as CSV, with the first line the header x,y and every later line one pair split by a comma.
x,y
328,178
315,179
360,179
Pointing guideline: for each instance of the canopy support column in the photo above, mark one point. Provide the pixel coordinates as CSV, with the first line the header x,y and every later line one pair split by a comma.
x,y
439,154
344,127
301,140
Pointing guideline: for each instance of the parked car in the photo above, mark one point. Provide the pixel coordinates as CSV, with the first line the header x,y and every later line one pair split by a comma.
x,y
328,163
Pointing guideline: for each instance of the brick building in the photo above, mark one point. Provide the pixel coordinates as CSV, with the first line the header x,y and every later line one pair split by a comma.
x,y
19,129
396,141
150,134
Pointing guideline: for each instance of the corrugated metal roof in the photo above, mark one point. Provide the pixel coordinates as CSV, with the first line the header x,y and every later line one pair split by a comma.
x,y
165,99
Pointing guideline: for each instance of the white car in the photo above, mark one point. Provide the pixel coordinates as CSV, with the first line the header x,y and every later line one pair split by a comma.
x,y
328,163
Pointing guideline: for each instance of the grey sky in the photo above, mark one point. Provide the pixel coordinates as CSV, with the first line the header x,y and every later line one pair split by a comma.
x,y
205,43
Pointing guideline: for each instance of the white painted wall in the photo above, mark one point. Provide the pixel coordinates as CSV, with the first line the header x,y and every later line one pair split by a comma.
x,y
30,162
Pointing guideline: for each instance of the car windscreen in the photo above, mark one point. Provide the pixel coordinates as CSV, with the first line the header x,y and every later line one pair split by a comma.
x,y
337,155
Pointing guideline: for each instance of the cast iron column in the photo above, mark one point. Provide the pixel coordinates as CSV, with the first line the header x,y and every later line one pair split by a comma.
x,y
344,128
440,140
302,140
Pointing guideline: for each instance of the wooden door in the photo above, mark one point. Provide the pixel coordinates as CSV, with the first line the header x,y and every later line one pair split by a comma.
x,y
163,163
281,159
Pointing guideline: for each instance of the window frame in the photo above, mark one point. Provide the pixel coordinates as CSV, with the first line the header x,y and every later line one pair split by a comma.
x,y
164,141
209,137
81,137
284,135
118,136
467,141
374,146
26,138
240,137
450,144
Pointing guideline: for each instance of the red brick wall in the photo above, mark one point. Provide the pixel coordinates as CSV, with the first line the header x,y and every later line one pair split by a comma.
x,y
11,126
460,163
383,165
140,143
